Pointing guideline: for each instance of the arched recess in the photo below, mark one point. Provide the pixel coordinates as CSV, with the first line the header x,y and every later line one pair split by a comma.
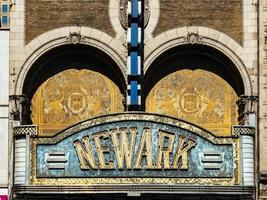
x,y
207,37
83,61
195,62
61,37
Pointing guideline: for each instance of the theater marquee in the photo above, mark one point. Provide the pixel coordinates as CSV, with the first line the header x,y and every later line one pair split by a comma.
x,y
135,148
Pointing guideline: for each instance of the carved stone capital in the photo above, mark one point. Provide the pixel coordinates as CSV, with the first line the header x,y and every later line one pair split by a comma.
x,y
247,103
17,102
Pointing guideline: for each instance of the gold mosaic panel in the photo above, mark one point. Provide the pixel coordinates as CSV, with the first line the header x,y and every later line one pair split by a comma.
x,y
72,96
197,96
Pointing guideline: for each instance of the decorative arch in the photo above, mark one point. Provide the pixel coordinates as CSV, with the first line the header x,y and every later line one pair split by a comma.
x,y
195,72
203,36
74,48
61,37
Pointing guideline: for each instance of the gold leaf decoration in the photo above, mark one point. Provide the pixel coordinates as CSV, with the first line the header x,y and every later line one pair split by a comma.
x,y
197,96
72,96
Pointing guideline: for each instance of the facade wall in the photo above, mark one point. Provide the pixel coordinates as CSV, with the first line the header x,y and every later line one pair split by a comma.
x,y
262,98
262,48
68,13
224,16
4,111
227,26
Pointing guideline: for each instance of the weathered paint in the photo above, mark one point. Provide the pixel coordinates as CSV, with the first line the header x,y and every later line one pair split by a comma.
x,y
195,155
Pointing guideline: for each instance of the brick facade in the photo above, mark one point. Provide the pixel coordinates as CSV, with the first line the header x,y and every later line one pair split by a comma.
x,y
42,16
222,15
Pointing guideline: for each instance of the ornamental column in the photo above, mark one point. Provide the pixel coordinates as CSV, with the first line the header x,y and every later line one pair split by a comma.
x,y
22,135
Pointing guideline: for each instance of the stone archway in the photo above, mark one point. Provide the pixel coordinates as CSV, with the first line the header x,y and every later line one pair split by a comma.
x,y
197,83
205,37
75,72
63,36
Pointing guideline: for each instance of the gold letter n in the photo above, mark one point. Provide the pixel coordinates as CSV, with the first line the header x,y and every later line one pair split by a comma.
x,y
85,154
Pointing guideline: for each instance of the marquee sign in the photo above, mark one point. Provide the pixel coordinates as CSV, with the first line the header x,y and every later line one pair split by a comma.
x,y
135,148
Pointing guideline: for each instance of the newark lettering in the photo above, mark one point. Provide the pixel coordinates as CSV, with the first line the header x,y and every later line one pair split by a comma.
x,y
120,149
135,148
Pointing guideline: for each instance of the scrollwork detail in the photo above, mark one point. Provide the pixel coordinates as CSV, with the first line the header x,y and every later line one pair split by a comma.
x,y
75,38
193,38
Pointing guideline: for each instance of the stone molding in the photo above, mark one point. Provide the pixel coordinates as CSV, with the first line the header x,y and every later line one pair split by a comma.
x,y
58,37
114,11
239,191
154,8
156,46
